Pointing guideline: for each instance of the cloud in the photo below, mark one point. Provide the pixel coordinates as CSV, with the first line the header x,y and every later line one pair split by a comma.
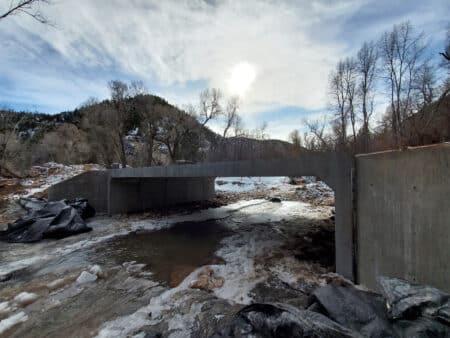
x,y
170,43
180,47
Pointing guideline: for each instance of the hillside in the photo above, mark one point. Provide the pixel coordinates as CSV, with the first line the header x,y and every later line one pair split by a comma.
x,y
151,131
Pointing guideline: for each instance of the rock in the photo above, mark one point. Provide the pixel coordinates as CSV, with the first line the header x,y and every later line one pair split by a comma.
x,y
206,280
53,220
25,298
443,314
421,327
275,200
282,320
357,310
86,277
98,271
410,300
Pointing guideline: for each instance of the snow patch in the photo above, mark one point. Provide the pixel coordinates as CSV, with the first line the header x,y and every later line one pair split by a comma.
x,y
25,298
245,184
5,308
9,322
57,284
98,271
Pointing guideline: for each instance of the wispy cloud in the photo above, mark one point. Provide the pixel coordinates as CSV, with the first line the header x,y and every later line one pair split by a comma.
x,y
177,47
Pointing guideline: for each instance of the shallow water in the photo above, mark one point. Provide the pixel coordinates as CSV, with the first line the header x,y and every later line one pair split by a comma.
x,y
169,254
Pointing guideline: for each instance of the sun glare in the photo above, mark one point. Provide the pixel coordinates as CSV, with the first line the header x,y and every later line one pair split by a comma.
x,y
242,76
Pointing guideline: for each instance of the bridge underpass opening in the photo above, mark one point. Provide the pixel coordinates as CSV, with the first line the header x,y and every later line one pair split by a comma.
x,y
301,208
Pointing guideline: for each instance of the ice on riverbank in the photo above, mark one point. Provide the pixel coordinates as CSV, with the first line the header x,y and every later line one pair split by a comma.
x,y
12,321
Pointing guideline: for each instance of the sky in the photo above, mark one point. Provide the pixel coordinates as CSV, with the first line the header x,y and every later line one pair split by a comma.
x,y
275,55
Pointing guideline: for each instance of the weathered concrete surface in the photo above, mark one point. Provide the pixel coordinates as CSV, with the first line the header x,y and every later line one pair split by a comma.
x,y
139,189
140,194
403,215
92,185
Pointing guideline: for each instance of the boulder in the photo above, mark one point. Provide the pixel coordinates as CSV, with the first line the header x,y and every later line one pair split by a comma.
x,y
282,320
207,280
86,277
411,300
357,310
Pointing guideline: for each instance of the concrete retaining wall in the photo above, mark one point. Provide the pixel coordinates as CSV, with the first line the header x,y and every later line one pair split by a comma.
x,y
403,216
92,185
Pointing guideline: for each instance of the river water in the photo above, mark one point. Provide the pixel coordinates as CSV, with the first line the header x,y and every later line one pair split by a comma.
x,y
145,267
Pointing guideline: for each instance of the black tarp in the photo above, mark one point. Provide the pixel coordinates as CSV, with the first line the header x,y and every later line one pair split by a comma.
x,y
49,220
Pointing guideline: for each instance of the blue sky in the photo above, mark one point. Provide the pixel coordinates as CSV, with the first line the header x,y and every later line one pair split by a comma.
x,y
178,48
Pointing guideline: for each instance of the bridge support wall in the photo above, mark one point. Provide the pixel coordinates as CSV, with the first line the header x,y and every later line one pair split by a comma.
x,y
92,185
403,216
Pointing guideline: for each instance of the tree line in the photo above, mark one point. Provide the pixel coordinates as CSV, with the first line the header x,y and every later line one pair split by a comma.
x,y
396,69
131,127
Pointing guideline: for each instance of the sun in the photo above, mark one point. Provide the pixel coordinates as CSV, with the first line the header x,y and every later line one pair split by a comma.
x,y
242,76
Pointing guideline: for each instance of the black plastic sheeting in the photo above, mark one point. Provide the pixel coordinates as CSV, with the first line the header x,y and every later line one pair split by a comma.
x,y
282,320
49,220
402,310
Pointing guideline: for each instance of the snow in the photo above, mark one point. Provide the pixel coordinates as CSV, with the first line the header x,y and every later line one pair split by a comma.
x,y
241,272
86,277
9,322
25,298
6,269
98,271
240,252
48,174
5,308
245,184
56,284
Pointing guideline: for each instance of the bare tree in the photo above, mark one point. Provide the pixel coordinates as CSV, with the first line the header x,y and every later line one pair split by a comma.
x,y
296,139
260,133
137,88
424,83
150,114
210,107
342,92
446,53
174,128
367,68
8,139
28,7
238,126
231,114
97,121
401,51
317,129
118,119
350,88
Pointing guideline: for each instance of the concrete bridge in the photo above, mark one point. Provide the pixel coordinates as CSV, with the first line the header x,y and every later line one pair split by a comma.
x,y
392,218
139,189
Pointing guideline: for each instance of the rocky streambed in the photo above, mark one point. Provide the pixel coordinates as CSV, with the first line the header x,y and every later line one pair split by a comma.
x,y
178,275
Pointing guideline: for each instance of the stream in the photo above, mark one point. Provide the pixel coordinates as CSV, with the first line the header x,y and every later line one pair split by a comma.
x,y
144,268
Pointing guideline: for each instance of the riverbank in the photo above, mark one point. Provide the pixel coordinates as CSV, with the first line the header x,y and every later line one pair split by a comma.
x,y
178,272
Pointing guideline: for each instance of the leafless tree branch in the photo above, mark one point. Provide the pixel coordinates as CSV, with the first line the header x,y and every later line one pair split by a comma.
x,y
28,7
